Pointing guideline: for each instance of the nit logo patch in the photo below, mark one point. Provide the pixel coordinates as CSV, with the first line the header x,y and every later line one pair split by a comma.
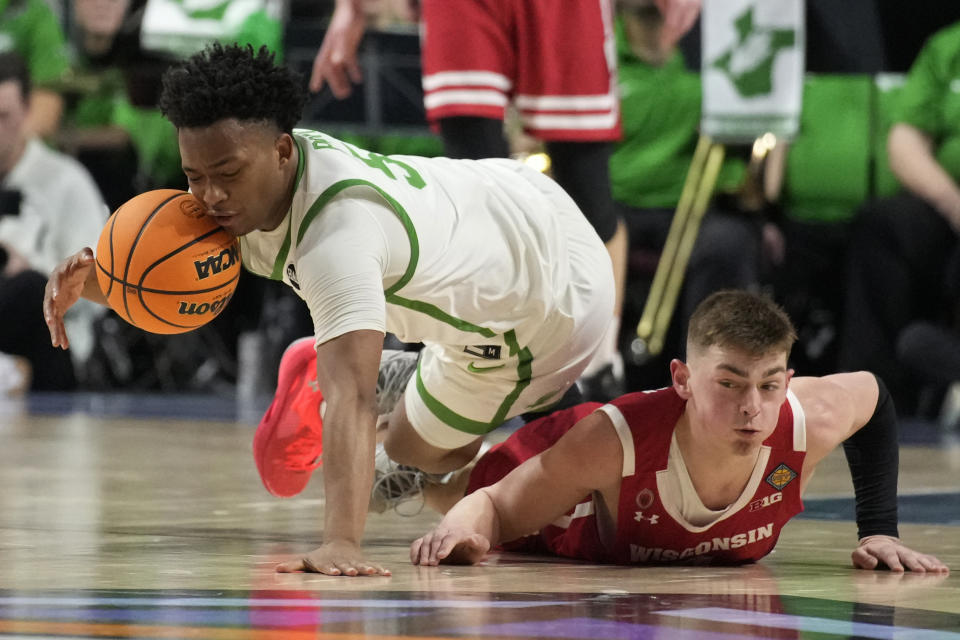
x,y
781,477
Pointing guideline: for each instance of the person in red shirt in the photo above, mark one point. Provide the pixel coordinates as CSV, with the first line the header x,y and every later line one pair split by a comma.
x,y
706,471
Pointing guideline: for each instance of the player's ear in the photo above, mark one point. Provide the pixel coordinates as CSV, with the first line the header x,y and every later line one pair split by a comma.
x,y
680,374
285,145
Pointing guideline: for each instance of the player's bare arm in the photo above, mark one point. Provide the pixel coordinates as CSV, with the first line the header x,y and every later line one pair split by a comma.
x,y
587,459
837,408
70,280
347,372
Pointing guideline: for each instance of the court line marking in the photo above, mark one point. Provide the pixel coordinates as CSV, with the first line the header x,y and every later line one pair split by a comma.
x,y
577,628
808,623
70,630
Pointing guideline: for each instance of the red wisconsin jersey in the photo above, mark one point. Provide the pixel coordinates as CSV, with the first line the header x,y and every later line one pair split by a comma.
x,y
555,60
650,527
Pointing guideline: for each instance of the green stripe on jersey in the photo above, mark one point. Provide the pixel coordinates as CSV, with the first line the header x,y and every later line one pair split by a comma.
x,y
477,427
277,273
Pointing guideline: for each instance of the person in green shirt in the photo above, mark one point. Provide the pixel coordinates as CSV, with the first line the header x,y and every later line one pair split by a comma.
x,y
30,28
660,102
111,123
903,262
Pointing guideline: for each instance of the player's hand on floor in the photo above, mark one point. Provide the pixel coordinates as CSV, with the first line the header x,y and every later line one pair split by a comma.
x,y
885,551
335,559
449,546
63,289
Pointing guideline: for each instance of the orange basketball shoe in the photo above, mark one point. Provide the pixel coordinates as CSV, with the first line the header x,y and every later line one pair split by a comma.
x,y
288,441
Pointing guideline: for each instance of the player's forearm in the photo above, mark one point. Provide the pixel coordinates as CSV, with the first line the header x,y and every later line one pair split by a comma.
x,y
873,456
475,513
91,288
348,454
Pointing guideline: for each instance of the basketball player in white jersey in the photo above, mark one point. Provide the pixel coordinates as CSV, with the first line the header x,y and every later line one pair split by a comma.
x,y
488,263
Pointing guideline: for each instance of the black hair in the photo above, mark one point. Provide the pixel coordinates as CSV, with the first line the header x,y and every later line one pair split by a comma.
x,y
232,81
13,67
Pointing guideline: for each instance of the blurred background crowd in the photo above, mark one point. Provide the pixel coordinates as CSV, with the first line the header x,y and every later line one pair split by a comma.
x,y
852,226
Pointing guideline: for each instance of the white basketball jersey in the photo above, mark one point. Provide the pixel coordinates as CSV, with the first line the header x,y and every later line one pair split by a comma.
x,y
473,250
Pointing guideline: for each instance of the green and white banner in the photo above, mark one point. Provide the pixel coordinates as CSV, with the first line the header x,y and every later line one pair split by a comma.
x,y
752,70
183,27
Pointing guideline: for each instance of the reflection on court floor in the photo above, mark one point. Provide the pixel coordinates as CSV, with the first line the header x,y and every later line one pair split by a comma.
x,y
230,614
143,517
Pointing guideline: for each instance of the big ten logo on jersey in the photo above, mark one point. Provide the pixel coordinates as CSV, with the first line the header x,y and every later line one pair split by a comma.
x,y
194,309
216,263
766,501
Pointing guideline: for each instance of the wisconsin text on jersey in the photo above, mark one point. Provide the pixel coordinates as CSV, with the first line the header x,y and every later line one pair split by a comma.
x,y
697,554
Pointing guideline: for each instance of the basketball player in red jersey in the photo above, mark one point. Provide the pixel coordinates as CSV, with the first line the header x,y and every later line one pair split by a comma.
x,y
706,471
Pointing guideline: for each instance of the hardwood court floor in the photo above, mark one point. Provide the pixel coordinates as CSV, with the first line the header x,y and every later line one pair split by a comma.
x,y
143,517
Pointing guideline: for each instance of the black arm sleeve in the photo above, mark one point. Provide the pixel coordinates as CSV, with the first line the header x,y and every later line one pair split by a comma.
x,y
874,458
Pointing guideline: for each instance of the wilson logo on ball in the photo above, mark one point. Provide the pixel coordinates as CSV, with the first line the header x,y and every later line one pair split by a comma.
x,y
164,265
215,264
194,309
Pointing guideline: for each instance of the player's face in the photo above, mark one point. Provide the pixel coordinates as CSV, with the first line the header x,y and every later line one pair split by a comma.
x,y
733,397
242,172
13,115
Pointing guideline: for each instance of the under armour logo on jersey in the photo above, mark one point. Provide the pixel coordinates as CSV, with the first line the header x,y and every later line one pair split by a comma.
x,y
292,276
651,519
314,385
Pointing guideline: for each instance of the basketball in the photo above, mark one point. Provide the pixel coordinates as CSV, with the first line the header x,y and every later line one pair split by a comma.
x,y
163,265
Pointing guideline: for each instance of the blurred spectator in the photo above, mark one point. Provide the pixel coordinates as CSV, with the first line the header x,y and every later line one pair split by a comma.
x,y
51,207
661,105
902,246
111,123
31,28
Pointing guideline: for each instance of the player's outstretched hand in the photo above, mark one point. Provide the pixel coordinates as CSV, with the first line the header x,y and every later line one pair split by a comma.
x,y
449,546
336,62
335,559
886,551
63,289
